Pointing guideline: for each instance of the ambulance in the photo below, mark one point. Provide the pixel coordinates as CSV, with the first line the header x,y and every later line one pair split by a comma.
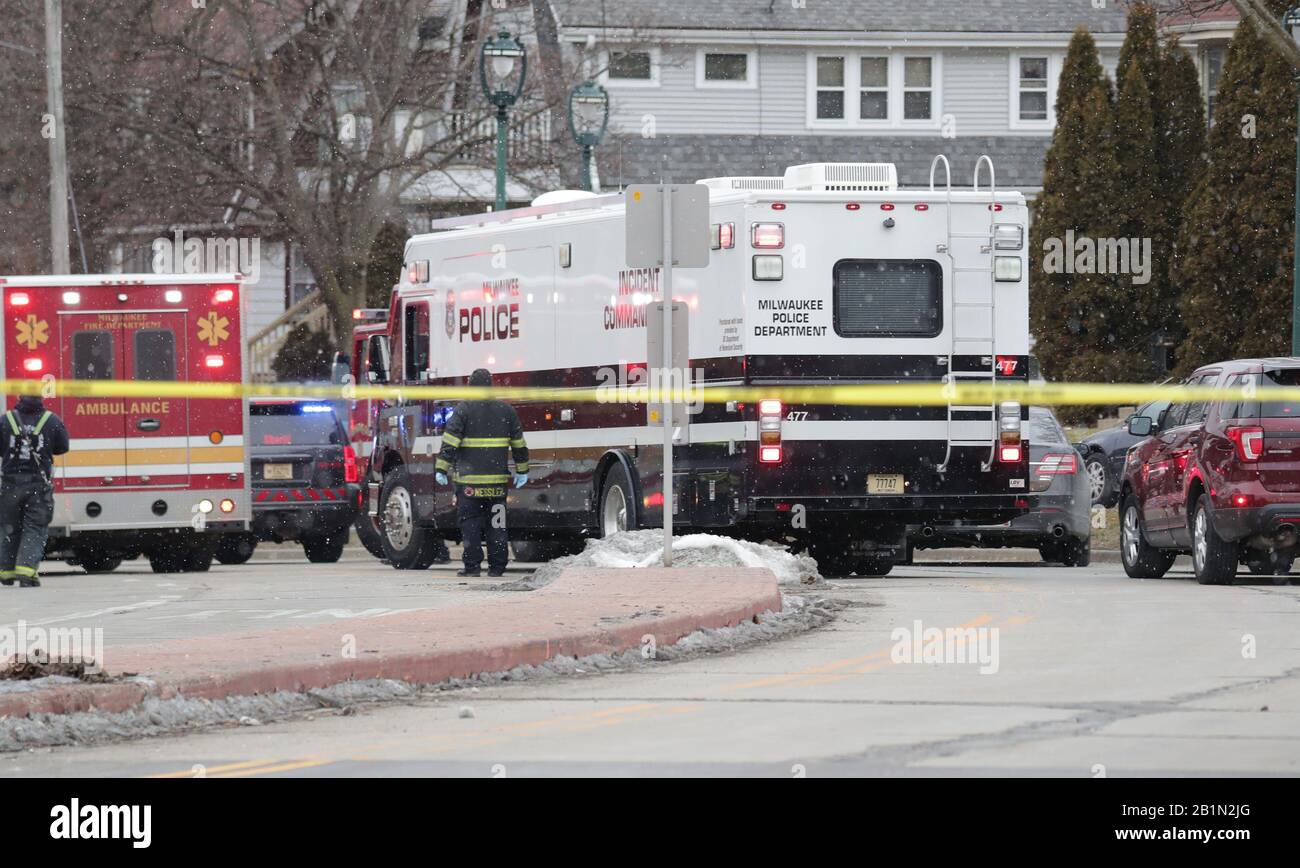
x,y
827,275
154,475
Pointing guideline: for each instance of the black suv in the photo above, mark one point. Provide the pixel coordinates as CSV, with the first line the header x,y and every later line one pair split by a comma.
x,y
305,481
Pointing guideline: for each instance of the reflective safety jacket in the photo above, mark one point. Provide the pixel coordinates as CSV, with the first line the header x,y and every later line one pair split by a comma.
x,y
479,439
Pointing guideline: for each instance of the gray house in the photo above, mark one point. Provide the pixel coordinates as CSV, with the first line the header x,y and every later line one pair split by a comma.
x,y
748,87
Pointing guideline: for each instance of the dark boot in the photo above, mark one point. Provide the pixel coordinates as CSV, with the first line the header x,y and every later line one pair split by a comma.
x,y
467,573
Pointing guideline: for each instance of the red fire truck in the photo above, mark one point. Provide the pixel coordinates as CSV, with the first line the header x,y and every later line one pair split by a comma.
x,y
160,476
369,366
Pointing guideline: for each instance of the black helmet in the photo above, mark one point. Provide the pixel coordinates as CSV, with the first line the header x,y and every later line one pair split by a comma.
x,y
481,378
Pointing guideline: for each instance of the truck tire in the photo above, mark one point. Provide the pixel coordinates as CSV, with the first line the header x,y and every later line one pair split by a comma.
x,y
235,548
1214,559
325,549
1141,559
880,565
370,533
93,562
407,546
618,510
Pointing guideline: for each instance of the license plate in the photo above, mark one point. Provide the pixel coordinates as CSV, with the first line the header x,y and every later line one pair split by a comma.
x,y
884,483
277,471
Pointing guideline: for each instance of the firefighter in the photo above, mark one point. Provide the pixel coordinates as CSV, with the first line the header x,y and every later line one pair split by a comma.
x,y
30,437
475,445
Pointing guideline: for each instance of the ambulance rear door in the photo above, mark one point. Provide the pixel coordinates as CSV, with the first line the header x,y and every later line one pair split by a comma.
x,y
157,428
91,349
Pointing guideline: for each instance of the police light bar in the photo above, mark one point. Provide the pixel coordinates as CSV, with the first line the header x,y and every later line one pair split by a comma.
x,y
369,314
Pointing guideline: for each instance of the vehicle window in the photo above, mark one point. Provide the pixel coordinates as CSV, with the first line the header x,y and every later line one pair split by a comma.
x,y
1288,377
377,357
901,298
295,424
1153,410
92,355
416,339
1231,406
1196,409
1044,429
1174,415
155,354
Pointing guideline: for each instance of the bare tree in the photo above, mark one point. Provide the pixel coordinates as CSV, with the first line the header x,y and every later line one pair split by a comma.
x,y
1265,21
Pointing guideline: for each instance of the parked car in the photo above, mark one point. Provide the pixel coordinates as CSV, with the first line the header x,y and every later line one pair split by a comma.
x,y
1217,479
305,481
1059,522
1105,451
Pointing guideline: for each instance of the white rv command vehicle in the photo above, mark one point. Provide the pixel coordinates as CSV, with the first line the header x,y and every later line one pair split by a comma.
x,y
830,275
159,475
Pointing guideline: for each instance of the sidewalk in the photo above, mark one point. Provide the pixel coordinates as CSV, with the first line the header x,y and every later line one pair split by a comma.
x,y
583,612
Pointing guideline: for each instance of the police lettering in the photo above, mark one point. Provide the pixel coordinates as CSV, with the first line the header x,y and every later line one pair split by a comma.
x,y
489,322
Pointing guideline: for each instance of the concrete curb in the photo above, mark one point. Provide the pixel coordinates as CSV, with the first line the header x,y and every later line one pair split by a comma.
x,y
583,612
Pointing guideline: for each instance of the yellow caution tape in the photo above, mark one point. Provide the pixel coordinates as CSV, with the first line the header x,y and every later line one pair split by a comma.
x,y
879,395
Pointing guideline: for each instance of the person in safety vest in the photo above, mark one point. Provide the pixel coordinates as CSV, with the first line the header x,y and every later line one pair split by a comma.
x,y
30,437
476,443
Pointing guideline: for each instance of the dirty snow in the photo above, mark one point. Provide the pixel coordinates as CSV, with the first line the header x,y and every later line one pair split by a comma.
x,y
645,548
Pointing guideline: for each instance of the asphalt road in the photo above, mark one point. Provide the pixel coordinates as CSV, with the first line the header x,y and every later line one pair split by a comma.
x,y
1092,673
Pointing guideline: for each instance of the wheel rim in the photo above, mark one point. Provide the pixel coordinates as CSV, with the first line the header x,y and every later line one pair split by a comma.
x,y
1096,479
1131,534
1200,541
615,513
398,518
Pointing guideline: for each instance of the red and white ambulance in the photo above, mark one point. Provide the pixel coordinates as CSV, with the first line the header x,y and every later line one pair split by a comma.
x,y
159,474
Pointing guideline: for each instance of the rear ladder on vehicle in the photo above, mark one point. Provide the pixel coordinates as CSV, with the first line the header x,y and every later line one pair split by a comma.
x,y
973,315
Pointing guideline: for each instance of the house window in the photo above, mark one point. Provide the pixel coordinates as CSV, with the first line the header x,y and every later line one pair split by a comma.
x,y
725,69
874,90
1032,88
830,88
1214,56
873,81
632,68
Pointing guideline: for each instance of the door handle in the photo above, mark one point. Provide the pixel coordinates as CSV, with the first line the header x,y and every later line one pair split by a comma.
x,y
148,424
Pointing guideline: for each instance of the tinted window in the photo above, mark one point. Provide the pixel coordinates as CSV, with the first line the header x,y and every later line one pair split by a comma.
x,y
92,356
1043,427
1196,409
295,425
155,354
416,339
1289,377
888,298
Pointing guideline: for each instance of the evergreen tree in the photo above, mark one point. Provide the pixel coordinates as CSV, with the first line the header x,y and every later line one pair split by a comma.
x,y
1180,161
305,356
1237,239
387,257
1055,313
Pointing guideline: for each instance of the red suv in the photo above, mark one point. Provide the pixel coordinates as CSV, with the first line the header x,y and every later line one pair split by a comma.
x,y
1219,479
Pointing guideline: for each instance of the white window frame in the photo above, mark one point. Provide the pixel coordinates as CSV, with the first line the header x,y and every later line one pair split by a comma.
x,y
1054,62
751,69
609,81
853,90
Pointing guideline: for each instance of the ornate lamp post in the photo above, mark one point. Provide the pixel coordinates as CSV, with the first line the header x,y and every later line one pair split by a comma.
x,y
502,66
588,118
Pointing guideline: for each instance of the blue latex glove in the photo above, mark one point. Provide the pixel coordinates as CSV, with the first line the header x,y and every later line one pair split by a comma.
x,y
520,479
440,477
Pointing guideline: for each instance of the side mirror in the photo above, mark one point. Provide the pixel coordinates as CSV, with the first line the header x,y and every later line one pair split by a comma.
x,y
1082,449
1141,426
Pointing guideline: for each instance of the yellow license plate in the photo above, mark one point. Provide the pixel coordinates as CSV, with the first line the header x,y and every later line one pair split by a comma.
x,y
884,483
277,471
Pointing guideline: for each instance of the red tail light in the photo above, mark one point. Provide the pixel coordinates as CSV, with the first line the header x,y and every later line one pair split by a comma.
x,y
214,361
1010,454
767,236
769,431
33,365
769,454
350,473
1059,464
1249,442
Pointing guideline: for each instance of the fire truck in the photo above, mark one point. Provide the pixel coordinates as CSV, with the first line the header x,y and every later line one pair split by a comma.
x,y
155,475
369,366
827,275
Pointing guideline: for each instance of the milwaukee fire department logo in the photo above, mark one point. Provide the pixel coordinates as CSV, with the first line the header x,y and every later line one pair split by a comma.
x,y
213,328
451,312
32,332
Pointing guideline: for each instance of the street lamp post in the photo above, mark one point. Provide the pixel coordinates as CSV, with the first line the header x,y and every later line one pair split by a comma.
x,y
1292,20
588,118
502,66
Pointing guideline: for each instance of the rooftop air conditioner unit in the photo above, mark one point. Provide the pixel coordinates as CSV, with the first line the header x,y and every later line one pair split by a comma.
x,y
753,182
843,177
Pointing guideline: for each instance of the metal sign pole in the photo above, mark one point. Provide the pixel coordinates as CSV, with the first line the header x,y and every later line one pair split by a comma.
x,y
665,376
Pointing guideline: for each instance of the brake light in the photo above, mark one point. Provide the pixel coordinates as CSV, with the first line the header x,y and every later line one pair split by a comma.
x,y
1059,464
350,473
33,365
767,236
769,431
214,361
1009,454
224,295
1009,451
20,299
1249,442
727,235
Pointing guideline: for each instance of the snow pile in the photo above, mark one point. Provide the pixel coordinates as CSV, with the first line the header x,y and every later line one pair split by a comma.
x,y
645,548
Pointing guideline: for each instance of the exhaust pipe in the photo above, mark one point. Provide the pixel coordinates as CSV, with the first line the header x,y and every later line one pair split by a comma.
x,y
1058,531
927,531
